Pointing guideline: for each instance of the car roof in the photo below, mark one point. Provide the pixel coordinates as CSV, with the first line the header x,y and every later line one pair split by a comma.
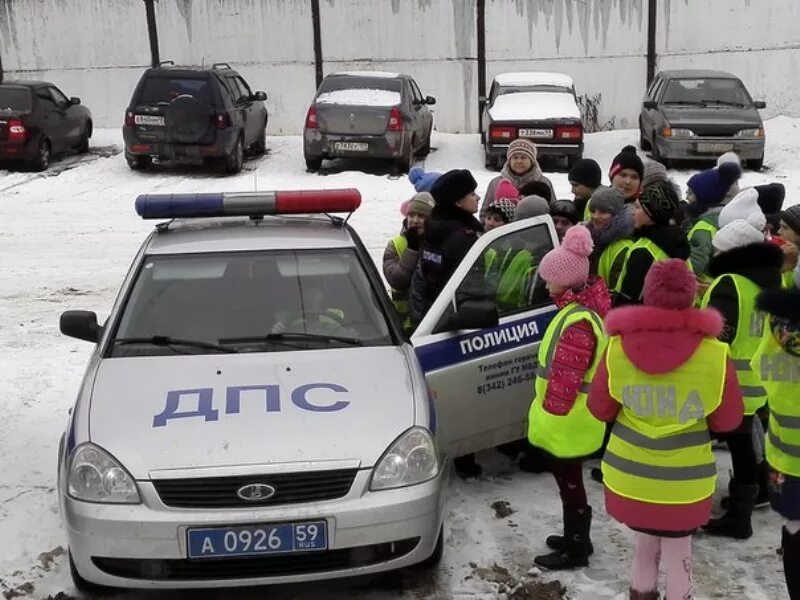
x,y
534,78
241,234
25,83
690,73
385,74
189,69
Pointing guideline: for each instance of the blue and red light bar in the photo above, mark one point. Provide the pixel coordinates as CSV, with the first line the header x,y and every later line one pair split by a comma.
x,y
231,204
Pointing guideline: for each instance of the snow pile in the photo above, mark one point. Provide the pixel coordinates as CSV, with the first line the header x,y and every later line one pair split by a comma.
x,y
534,106
534,78
360,97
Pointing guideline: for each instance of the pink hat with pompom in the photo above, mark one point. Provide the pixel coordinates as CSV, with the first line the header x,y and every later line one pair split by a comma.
x,y
670,284
506,191
568,265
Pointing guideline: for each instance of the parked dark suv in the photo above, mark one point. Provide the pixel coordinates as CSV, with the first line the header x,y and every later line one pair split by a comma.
x,y
38,121
194,113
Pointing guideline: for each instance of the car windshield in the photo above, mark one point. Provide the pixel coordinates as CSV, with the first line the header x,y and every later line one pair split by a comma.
x,y
166,89
269,301
704,91
14,98
336,84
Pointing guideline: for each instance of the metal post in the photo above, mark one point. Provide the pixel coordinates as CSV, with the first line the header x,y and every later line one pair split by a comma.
x,y
152,32
481,33
315,21
2,73
652,20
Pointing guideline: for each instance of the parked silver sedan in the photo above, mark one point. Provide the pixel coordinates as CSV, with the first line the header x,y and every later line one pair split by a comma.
x,y
370,114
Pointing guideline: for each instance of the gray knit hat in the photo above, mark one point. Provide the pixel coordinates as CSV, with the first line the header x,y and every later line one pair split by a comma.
x,y
531,206
653,171
609,200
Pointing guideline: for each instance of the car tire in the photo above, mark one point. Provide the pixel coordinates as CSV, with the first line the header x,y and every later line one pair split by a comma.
x,y
83,144
426,147
434,559
643,143
313,164
43,155
404,162
138,163
756,164
84,586
235,160
259,147
656,154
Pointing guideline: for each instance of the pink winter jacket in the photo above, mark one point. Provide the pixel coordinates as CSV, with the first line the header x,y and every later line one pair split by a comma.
x,y
659,340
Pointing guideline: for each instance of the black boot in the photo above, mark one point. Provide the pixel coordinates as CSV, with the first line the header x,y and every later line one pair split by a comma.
x,y
556,542
597,474
791,563
533,460
736,522
576,552
762,500
467,467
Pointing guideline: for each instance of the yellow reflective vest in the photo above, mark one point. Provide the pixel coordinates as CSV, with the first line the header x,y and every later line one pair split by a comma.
x,y
749,330
612,260
660,449
702,225
400,299
787,280
578,433
642,243
780,373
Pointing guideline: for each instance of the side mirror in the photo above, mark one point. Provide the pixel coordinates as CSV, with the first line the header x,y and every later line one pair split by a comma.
x,y
650,104
430,100
260,96
760,104
81,324
471,314
74,101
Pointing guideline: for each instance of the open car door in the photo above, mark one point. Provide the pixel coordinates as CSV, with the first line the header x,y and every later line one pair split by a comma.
x,y
478,343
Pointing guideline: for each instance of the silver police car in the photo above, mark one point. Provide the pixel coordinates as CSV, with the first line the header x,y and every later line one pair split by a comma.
x,y
252,412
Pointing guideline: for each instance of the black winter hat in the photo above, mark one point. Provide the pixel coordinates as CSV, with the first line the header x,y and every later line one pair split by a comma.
x,y
659,200
586,172
566,209
626,159
791,216
536,188
453,186
770,197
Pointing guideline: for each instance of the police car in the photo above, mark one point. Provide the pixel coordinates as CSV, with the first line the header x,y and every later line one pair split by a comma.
x,y
252,412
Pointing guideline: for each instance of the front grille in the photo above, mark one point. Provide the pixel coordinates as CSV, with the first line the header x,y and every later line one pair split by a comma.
x,y
259,566
221,492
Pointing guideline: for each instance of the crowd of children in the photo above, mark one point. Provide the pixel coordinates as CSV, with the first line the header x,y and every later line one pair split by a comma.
x,y
711,282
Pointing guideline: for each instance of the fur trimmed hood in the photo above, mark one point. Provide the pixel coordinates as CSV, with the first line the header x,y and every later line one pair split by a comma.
x,y
783,307
659,340
760,263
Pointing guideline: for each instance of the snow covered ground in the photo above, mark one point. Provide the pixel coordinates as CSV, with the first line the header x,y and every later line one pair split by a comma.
x,y
67,238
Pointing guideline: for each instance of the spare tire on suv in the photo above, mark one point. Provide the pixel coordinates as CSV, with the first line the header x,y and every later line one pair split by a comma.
x,y
187,119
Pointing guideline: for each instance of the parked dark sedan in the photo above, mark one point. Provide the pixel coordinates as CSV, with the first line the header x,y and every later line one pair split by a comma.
x,y
368,114
37,121
699,115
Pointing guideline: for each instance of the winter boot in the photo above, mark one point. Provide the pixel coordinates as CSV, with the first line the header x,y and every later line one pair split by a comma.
x,y
597,474
651,595
791,563
466,466
556,542
736,522
762,500
533,460
576,551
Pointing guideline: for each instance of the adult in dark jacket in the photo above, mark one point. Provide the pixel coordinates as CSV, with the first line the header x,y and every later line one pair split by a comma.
x,y
655,239
450,232
744,265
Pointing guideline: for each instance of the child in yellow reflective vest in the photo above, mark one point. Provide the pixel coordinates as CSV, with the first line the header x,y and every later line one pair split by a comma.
x,y
664,381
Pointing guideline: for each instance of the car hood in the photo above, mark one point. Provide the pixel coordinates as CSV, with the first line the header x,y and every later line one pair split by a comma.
x,y
347,404
727,115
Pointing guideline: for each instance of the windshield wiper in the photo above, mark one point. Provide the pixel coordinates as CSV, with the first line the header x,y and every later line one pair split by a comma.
x,y
164,340
726,103
292,335
686,102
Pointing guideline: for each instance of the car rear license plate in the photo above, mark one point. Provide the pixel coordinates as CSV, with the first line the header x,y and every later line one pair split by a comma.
x,y
149,120
714,148
535,133
248,540
351,146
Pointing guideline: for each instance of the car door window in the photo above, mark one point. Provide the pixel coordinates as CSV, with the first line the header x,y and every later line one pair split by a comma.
x,y
650,94
243,89
59,98
45,99
416,93
482,379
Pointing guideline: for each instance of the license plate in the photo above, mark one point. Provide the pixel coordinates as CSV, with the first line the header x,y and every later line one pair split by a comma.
x,y
148,120
251,540
535,133
351,146
714,148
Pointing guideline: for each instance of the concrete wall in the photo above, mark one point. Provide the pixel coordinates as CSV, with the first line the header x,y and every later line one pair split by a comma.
x,y
97,49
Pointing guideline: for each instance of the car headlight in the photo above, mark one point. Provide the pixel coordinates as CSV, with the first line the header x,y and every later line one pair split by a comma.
x,y
413,458
757,133
94,476
682,133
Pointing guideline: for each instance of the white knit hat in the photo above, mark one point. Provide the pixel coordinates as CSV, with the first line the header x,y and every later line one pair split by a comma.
x,y
739,233
729,157
743,204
